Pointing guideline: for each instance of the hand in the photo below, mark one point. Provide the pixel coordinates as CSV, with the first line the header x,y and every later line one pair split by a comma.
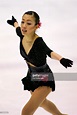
x,y
66,62
11,22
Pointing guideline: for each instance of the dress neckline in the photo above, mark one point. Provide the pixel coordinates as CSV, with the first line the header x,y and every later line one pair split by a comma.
x,y
31,47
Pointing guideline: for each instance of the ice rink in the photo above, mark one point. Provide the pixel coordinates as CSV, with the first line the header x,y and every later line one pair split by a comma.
x,y
59,31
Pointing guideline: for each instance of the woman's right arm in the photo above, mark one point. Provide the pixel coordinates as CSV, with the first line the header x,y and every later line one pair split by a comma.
x,y
13,22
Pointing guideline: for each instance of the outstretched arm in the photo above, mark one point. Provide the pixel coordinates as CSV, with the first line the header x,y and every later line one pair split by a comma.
x,y
65,62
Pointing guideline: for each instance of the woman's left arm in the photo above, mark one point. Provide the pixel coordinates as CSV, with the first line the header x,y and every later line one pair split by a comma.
x,y
56,56
65,62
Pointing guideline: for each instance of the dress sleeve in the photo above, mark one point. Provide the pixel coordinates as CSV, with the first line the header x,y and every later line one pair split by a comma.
x,y
18,32
46,48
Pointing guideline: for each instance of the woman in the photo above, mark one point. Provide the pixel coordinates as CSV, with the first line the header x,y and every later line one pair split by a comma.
x,y
34,50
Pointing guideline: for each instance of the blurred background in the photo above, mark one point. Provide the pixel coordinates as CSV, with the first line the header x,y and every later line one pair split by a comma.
x,y
59,31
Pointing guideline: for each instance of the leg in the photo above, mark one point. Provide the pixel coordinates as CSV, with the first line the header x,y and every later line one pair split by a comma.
x,y
36,99
50,107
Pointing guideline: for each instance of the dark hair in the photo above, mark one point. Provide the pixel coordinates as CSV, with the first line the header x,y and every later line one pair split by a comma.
x,y
36,16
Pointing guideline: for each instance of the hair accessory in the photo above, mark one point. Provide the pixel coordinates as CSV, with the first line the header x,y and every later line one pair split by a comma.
x,y
39,24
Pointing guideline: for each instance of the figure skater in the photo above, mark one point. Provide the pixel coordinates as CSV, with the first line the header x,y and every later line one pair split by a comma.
x,y
34,50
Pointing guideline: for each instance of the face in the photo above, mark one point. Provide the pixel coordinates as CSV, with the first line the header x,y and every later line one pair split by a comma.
x,y
28,24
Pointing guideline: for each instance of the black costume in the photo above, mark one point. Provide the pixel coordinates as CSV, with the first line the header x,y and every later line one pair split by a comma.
x,y
37,56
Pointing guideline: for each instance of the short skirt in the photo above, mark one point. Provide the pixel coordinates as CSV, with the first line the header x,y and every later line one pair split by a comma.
x,y
32,85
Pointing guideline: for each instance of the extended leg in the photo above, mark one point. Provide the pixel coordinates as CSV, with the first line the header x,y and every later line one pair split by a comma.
x,y
36,99
50,107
